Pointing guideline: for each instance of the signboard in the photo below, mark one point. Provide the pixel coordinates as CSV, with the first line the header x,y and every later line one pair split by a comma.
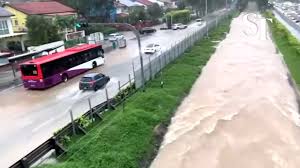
x,y
95,38
75,35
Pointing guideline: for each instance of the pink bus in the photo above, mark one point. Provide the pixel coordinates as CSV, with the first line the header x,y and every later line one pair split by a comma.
x,y
50,70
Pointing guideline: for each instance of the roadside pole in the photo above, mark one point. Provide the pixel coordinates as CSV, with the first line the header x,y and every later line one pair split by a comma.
x,y
206,12
136,33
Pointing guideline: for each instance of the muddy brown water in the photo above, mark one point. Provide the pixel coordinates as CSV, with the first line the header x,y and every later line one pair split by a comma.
x,y
241,112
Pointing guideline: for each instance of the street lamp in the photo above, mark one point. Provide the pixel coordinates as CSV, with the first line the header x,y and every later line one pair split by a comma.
x,y
136,33
206,11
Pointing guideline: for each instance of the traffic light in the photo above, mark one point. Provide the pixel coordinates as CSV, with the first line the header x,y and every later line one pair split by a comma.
x,y
81,24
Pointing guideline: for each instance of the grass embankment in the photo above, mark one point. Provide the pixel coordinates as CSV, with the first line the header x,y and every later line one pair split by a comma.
x,y
126,139
288,45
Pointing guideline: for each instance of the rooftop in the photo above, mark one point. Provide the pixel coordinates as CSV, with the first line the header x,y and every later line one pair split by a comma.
x,y
128,3
145,2
38,8
4,13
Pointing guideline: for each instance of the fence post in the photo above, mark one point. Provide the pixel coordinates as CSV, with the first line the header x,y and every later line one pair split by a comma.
x,y
13,70
160,66
177,48
186,42
161,72
73,123
134,77
150,67
57,147
107,98
129,77
181,46
165,60
24,162
119,85
206,29
91,110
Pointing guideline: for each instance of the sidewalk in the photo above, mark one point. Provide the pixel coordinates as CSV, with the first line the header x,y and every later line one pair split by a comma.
x,y
241,112
7,80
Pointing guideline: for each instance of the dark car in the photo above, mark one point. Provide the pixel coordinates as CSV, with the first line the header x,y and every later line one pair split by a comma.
x,y
147,30
93,81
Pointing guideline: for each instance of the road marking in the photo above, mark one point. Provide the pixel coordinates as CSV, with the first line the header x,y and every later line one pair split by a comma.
x,y
10,88
42,125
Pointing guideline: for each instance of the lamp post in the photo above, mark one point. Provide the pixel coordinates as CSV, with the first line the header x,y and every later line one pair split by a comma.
x,y
206,11
136,33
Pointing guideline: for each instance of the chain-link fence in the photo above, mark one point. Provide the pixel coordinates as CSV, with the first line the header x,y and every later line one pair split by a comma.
x,y
156,62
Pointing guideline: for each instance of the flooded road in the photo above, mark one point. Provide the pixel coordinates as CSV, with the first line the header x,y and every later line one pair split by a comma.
x,y
241,112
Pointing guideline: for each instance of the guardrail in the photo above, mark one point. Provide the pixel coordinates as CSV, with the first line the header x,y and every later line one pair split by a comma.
x,y
75,127
286,19
153,67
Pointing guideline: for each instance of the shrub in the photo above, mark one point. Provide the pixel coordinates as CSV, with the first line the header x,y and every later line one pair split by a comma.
x,y
179,16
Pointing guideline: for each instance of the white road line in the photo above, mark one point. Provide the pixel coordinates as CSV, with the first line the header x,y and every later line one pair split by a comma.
x,y
42,125
10,88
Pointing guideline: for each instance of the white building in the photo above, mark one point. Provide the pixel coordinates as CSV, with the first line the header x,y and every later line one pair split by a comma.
x,y
5,22
6,31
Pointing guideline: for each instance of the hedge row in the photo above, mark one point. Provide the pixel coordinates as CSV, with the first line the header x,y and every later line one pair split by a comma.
x,y
288,45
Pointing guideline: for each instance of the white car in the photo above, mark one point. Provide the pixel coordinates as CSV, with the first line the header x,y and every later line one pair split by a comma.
x,y
179,26
115,36
199,20
151,48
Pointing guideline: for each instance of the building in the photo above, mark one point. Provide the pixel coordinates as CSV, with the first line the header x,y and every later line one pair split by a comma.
x,y
161,4
169,4
145,3
5,22
6,31
124,6
24,9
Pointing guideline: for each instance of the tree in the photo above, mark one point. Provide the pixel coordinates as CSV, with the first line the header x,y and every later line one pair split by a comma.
x,y
180,5
137,14
100,9
64,22
155,11
41,30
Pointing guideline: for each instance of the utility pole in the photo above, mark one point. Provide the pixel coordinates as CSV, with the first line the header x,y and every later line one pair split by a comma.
x,y
136,33
226,4
206,12
206,8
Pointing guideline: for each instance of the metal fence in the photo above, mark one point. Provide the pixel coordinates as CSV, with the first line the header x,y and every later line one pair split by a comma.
x,y
154,63
94,106
112,95
286,19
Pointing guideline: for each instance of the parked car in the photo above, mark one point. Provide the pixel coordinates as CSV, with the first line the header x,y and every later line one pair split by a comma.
x,y
199,20
151,48
179,26
147,30
93,81
115,36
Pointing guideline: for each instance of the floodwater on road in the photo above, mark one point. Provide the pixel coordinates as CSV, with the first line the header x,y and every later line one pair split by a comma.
x,y
241,112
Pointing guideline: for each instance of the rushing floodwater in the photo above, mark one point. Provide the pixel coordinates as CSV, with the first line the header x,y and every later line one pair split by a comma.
x,y
241,112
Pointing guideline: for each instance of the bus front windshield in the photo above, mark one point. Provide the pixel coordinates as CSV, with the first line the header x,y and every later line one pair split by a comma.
x,y
29,70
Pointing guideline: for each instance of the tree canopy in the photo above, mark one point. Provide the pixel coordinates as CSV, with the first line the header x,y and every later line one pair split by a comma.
x,y
41,30
100,9
155,11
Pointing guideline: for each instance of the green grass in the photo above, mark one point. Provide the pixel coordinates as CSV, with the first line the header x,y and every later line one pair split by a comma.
x,y
288,45
124,139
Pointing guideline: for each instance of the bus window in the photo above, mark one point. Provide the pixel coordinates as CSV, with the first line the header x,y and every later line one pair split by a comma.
x,y
29,70
99,53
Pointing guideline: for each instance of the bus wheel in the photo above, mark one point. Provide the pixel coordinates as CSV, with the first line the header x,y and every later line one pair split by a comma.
x,y
94,64
64,78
